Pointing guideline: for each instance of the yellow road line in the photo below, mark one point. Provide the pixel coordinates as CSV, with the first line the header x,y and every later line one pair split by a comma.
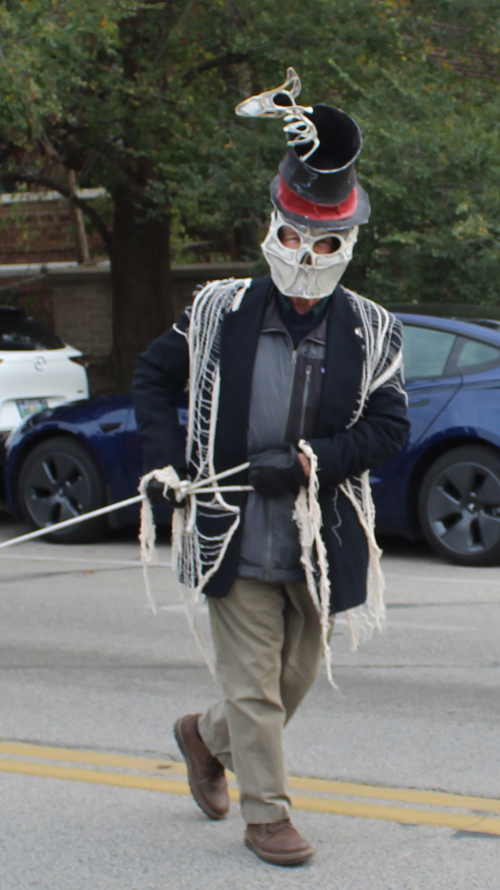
x,y
168,778
97,777
465,822
97,758
321,786
404,795
459,821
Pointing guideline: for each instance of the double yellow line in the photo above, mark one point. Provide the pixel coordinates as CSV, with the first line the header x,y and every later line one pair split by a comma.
x,y
403,805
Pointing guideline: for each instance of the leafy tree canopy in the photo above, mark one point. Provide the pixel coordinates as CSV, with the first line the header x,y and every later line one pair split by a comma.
x,y
138,96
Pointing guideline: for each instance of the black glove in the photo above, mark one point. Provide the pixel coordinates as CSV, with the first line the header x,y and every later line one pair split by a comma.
x,y
155,493
276,472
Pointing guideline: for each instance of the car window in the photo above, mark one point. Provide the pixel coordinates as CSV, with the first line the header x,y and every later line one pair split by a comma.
x,y
24,333
476,356
426,351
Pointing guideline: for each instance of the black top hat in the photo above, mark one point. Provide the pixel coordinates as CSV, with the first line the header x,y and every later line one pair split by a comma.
x,y
323,191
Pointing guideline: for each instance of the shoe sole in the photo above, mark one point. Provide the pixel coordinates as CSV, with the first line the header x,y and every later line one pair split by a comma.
x,y
285,859
201,803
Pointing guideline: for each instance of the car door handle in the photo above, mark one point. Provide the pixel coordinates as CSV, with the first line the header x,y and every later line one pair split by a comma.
x,y
109,427
421,404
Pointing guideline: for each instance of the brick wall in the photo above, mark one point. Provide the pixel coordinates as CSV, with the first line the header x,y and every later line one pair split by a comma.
x,y
39,231
76,302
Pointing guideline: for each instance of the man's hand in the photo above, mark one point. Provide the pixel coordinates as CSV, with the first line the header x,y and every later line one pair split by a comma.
x,y
306,464
277,471
158,494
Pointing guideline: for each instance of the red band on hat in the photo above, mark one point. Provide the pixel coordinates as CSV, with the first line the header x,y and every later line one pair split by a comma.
x,y
311,209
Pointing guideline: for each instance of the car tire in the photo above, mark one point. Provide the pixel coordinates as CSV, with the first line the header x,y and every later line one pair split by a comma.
x,y
459,506
60,479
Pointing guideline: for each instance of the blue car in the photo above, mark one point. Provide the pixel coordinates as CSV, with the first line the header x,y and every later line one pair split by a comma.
x,y
444,485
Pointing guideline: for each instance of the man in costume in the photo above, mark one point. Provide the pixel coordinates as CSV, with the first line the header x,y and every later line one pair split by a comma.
x,y
302,378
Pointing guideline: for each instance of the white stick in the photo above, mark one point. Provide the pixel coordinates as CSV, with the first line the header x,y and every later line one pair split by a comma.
x,y
222,488
48,529
192,487
198,487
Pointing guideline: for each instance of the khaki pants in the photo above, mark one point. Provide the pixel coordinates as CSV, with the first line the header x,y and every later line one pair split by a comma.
x,y
267,640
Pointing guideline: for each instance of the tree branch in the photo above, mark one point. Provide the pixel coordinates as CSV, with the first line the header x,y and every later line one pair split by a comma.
x,y
124,178
174,27
227,59
39,179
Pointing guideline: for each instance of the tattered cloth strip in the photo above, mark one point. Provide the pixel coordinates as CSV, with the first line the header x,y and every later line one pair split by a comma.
x,y
383,366
184,489
195,557
307,515
147,539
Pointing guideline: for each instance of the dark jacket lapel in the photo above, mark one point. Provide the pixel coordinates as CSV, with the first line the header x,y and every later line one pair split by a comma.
x,y
239,339
343,367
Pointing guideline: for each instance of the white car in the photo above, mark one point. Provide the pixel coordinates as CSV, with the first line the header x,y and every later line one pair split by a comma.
x,y
37,370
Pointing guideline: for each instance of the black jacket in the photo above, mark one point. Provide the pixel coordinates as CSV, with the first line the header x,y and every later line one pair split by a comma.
x,y
161,377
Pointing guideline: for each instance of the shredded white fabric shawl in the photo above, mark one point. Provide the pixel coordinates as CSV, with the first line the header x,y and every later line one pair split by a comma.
x,y
382,366
197,558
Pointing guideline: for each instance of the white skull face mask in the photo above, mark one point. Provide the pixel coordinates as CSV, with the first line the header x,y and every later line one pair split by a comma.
x,y
300,271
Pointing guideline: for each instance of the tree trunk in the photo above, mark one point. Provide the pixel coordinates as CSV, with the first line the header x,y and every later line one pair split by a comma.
x,y
140,274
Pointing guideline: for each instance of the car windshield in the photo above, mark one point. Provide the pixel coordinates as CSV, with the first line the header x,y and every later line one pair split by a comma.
x,y
26,334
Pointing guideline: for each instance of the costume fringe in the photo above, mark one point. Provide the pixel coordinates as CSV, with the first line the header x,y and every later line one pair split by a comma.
x,y
307,515
195,558
149,555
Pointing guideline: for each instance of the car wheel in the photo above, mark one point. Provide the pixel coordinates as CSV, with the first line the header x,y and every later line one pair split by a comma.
x,y
58,480
459,506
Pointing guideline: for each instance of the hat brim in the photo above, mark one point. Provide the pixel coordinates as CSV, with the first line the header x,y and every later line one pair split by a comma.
x,y
360,215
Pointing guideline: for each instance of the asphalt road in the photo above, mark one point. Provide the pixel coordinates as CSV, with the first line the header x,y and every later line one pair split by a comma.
x,y
92,792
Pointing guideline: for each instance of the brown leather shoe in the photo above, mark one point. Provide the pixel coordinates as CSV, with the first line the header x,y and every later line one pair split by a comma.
x,y
278,842
205,773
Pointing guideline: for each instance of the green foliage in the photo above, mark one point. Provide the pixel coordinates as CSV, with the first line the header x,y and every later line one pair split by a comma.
x,y
138,96
431,163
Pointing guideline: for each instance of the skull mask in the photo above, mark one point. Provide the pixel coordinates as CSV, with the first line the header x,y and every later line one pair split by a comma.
x,y
301,271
